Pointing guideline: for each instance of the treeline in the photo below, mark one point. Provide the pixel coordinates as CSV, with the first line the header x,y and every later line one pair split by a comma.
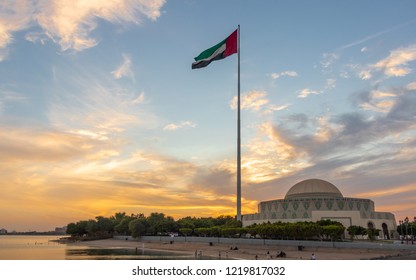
x,y
139,225
371,233
322,230
221,226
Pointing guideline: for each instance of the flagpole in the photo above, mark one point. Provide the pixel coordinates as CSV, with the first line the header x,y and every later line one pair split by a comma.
x,y
238,135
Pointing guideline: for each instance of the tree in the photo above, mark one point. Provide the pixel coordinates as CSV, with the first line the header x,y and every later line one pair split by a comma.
x,y
186,231
186,222
138,227
77,229
334,232
159,224
203,231
123,226
372,233
215,231
72,229
92,227
105,225
311,230
355,230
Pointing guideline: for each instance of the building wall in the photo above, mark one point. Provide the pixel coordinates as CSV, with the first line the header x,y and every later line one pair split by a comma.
x,y
348,211
283,209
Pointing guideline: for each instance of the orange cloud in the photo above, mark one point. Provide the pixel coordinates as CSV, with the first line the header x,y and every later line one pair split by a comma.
x,y
69,23
60,177
388,192
395,65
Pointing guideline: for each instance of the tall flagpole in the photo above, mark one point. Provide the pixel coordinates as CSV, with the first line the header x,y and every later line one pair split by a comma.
x,y
238,135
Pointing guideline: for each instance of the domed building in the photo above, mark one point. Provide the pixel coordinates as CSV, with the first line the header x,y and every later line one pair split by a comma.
x,y
314,199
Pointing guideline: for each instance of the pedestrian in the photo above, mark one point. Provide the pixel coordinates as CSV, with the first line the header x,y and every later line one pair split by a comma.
x,y
313,257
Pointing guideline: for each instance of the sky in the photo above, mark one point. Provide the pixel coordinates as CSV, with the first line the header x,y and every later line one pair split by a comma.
x,y
100,111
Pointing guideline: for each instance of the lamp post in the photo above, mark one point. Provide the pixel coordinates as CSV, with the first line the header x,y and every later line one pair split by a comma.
x,y
401,231
406,221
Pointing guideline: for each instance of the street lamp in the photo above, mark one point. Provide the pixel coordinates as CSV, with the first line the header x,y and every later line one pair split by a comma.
x,y
411,228
406,221
401,231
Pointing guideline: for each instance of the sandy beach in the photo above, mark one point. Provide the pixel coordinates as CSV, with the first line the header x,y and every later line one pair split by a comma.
x,y
249,252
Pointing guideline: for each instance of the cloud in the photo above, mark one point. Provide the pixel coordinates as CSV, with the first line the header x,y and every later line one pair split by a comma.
x,y
8,96
272,108
140,99
330,83
124,70
395,65
181,125
356,130
411,86
88,100
268,156
47,170
253,100
14,16
213,179
353,149
365,75
257,101
378,101
306,92
328,59
283,74
45,145
95,108
69,23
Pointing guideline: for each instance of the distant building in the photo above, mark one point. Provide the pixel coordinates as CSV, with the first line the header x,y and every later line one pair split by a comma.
x,y
3,231
60,230
314,200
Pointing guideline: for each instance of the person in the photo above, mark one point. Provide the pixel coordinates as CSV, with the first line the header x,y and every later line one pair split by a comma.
x,y
257,257
313,257
281,254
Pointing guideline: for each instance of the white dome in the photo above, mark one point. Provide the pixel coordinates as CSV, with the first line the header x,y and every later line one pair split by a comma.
x,y
313,188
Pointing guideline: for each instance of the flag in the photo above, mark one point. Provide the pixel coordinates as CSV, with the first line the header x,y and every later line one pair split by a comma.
x,y
220,51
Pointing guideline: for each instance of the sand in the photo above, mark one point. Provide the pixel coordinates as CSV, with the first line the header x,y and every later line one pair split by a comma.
x,y
249,252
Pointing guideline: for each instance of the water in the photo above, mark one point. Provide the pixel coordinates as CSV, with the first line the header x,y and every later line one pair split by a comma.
x,y
31,247
36,247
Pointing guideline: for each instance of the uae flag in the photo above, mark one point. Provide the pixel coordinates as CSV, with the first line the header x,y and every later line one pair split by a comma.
x,y
220,51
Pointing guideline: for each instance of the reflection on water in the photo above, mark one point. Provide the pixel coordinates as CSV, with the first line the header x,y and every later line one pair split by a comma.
x,y
124,254
32,247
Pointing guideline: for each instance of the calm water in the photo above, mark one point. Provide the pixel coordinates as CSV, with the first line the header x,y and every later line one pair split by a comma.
x,y
25,247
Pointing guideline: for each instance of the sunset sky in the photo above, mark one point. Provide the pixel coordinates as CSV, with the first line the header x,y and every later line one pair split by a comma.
x,y
100,111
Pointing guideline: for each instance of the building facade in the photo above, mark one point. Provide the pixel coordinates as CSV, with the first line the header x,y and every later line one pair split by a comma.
x,y
314,200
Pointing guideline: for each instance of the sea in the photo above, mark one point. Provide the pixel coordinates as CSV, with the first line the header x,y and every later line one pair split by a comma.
x,y
46,247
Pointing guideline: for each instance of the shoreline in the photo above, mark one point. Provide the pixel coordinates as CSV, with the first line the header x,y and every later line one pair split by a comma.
x,y
249,252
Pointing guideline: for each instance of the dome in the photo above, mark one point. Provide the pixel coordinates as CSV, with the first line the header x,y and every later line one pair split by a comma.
x,y
313,188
